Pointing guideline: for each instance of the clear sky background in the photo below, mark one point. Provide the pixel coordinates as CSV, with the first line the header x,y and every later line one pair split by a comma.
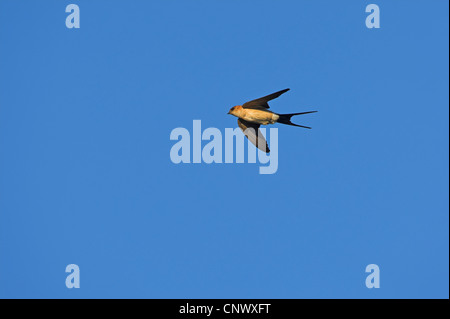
x,y
86,177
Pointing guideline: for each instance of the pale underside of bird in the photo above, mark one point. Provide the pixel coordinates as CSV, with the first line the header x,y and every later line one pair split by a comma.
x,y
251,115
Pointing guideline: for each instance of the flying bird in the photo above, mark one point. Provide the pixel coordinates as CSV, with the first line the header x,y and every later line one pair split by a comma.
x,y
254,113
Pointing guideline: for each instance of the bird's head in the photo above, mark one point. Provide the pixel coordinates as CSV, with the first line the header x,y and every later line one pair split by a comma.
x,y
234,109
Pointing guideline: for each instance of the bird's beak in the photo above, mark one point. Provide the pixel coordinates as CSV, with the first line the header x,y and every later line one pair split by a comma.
x,y
228,112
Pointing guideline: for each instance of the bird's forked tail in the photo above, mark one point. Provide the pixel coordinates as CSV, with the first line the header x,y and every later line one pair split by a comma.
x,y
286,118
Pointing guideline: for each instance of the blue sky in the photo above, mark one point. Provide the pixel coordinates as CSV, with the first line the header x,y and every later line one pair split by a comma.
x,y
86,177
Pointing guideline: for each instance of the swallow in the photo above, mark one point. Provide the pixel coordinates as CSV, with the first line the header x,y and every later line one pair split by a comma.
x,y
252,114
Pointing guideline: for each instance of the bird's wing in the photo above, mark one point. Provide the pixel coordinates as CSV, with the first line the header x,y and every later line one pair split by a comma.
x,y
254,135
261,103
